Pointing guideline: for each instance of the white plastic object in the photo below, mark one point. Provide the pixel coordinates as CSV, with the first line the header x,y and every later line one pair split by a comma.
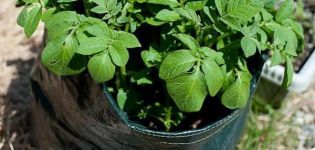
x,y
301,80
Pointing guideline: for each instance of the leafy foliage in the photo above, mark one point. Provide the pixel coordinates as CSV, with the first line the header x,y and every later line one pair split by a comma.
x,y
201,47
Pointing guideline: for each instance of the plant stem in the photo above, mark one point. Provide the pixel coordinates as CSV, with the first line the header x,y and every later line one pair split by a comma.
x,y
86,10
216,39
118,82
123,72
123,75
198,33
42,3
235,44
168,119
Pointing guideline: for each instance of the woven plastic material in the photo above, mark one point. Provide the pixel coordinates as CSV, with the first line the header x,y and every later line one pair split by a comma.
x,y
77,111
223,134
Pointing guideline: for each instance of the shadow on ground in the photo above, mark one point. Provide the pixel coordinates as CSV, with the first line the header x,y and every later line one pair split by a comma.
x,y
15,132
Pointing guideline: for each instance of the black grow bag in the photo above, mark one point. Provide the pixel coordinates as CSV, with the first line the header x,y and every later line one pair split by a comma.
x,y
223,134
114,130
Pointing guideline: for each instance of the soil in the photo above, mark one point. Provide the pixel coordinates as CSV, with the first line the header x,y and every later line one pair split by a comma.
x,y
17,54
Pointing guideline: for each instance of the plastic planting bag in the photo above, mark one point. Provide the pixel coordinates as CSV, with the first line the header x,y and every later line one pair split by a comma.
x,y
77,113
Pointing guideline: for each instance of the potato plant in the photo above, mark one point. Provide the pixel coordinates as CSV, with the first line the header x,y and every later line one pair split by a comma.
x,y
196,48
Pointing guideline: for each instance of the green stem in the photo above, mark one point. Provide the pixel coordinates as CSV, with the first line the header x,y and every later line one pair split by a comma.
x,y
42,3
87,13
198,66
123,72
216,39
198,33
118,81
123,75
168,119
235,45
127,26
182,2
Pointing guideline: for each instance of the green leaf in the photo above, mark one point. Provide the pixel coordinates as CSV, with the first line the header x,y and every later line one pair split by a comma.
x,y
45,2
209,12
172,3
151,57
286,11
250,31
189,14
116,9
167,15
111,4
99,2
48,14
121,98
266,15
212,54
143,81
99,10
298,29
101,68
262,35
33,15
237,94
66,1
188,40
154,21
228,80
208,52
128,40
99,29
108,7
176,63
276,59
231,22
129,100
119,54
248,46
30,1
60,24
213,75
284,37
59,54
244,10
221,6
270,3
195,5
188,91
288,73
141,77
92,45
22,16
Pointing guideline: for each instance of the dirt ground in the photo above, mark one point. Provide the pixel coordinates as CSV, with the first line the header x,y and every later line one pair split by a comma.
x,y
17,54
301,110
